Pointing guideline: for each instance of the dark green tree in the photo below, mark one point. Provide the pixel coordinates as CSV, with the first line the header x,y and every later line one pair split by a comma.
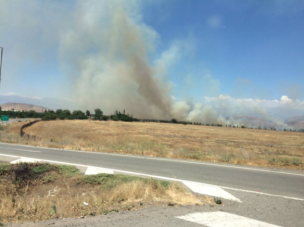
x,y
98,114
59,112
173,120
88,113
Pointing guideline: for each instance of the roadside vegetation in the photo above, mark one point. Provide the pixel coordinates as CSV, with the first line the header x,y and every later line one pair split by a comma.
x,y
282,149
38,191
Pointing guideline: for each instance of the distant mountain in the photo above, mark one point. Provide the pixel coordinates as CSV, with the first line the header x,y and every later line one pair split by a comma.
x,y
252,121
296,122
48,103
22,107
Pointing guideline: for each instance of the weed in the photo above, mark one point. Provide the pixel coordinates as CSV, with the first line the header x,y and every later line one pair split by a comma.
x,y
50,178
53,210
218,201
4,168
68,170
41,168
105,211
107,181
165,184
296,162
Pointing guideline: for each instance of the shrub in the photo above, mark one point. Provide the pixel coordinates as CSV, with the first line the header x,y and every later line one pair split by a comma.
x,y
105,118
173,120
41,169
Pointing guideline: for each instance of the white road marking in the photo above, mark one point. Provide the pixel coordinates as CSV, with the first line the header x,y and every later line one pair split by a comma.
x,y
220,219
95,170
261,193
29,150
162,178
24,160
169,160
210,190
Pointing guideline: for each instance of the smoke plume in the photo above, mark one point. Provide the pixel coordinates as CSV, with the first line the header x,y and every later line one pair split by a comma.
x,y
110,59
107,49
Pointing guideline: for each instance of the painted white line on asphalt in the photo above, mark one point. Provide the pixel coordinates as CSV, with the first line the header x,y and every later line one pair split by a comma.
x,y
163,178
220,219
167,160
12,156
210,190
29,150
32,160
262,193
95,170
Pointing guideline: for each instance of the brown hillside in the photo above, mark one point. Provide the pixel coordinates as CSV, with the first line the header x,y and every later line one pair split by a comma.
x,y
22,107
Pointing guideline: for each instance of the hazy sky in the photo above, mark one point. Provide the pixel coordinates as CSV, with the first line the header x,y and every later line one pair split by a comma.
x,y
200,49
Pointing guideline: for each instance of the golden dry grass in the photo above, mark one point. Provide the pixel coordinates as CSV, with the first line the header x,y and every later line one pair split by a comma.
x,y
216,144
53,195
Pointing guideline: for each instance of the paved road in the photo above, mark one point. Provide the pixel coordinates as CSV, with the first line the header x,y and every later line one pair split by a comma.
x,y
15,120
277,182
256,209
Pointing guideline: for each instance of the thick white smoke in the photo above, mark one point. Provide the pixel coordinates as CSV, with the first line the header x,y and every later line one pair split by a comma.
x,y
107,48
106,51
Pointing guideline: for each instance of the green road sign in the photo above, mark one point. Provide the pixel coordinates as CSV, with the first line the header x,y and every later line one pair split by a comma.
x,y
4,117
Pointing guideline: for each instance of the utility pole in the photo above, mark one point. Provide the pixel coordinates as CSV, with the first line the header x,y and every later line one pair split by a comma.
x,y
1,61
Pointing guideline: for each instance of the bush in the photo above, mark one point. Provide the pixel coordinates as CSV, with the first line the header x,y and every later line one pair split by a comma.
x,y
49,116
173,120
70,117
62,117
105,118
67,170
115,118
41,169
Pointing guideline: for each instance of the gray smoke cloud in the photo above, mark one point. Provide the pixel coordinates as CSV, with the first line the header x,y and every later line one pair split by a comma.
x,y
106,51
107,48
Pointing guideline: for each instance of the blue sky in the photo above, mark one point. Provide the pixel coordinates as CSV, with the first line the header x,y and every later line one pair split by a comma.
x,y
241,49
257,45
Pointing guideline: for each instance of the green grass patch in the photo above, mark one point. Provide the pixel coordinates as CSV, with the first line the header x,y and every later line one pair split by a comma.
x,y
109,181
67,170
50,178
42,168
5,167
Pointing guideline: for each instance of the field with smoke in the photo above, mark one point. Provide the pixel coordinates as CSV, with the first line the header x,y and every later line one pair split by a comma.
x,y
109,58
107,53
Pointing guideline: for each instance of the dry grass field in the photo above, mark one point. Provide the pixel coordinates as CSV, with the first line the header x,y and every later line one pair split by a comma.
x,y
216,144
32,192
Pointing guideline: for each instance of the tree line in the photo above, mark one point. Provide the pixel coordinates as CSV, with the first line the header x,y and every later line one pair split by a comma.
x,y
98,115
67,114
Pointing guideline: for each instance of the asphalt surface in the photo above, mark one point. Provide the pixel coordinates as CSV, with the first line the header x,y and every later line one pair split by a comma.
x,y
276,182
15,120
269,209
